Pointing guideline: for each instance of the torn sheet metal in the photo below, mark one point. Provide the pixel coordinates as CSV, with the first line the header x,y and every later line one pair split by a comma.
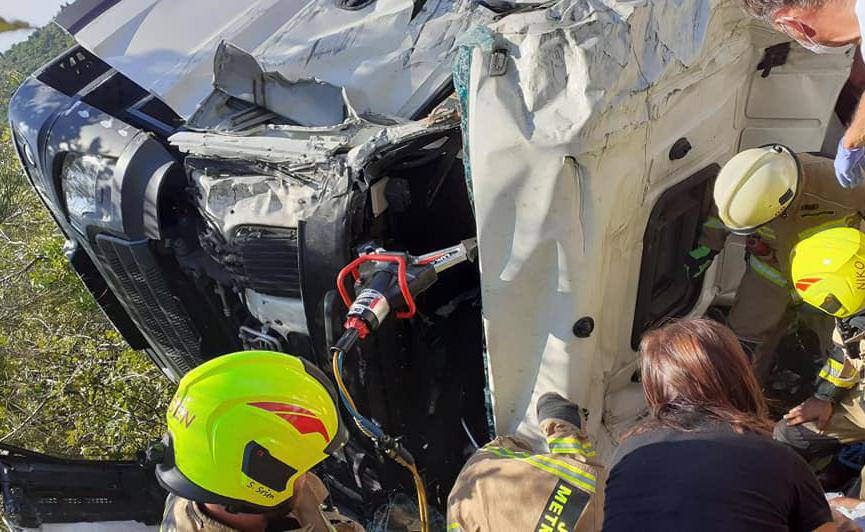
x,y
352,143
390,63
278,175
445,116
306,102
233,199
308,147
569,149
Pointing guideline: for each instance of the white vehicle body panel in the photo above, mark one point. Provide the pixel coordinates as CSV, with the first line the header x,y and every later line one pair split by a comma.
x,y
569,152
388,63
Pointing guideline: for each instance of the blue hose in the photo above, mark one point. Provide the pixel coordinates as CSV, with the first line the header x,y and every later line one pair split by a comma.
x,y
371,427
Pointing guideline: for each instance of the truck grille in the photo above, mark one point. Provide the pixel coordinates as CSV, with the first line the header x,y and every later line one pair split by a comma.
x,y
150,301
268,259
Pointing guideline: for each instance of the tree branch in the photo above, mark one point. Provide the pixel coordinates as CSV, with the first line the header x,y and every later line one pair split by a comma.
x,y
27,420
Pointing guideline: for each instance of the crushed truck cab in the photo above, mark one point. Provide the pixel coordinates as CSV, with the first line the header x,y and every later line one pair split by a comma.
x,y
214,164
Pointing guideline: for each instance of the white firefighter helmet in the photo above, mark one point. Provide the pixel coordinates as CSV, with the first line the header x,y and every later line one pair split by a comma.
x,y
755,187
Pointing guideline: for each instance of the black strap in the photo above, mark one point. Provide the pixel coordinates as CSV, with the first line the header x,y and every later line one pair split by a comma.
x,y
563,508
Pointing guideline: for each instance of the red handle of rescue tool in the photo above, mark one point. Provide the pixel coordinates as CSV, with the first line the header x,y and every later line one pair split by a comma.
x,y
401,278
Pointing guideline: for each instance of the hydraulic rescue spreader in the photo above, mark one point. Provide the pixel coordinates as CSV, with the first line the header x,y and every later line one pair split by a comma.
x,y
386,281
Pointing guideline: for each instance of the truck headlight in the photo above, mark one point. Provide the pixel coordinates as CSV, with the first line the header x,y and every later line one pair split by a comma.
x,y
82,175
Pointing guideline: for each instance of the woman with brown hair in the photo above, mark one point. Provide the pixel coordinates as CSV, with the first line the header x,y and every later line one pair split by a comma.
x,y
704,458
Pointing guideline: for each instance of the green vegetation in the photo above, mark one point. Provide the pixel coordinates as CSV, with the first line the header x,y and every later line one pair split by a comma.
x,y
68,383
25,57
12,25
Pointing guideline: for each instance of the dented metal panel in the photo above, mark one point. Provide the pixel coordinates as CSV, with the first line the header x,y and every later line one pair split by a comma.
x,y
569,146
306,102
390,62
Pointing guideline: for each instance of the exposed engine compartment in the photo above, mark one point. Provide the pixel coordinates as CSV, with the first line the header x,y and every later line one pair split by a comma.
x,y
194,251
280,237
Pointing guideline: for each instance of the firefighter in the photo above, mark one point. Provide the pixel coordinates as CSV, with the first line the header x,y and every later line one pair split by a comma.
x,y
777,198
828,270
243,432
506,485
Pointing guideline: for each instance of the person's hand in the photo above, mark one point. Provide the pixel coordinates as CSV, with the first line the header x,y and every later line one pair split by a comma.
x,y
843,523
812,409
848,165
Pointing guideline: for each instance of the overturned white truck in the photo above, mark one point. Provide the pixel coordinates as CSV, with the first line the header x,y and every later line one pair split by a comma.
x,y
213,164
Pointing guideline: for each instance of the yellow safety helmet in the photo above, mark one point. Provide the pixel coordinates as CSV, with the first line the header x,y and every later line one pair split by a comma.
x,y
755,187
828,271
243,427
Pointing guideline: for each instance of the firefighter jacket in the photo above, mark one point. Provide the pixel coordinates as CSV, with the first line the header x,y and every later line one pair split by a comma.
x,y
841,372
304,515
508,486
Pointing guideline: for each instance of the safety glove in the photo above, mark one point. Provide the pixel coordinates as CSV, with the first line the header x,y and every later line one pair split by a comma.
x,y
698,261
849,165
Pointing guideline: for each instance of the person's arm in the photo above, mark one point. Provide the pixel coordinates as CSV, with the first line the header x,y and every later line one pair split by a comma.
x,y
854,137
839,504
851,151
836,379
839,375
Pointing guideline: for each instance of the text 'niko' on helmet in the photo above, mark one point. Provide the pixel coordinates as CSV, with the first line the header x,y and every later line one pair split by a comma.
x,y
828,271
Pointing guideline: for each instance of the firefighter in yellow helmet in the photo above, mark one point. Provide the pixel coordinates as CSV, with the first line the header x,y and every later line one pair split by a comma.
x,y
244,430
776,198
828,272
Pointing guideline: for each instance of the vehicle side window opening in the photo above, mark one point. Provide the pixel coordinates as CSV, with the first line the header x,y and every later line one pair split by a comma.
x,y
665,289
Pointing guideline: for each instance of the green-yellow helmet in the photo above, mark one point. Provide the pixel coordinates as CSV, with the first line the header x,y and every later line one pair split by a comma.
x,y
243,427
828,271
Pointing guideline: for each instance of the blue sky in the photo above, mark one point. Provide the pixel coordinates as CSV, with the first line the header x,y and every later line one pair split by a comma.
x,y
36,12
